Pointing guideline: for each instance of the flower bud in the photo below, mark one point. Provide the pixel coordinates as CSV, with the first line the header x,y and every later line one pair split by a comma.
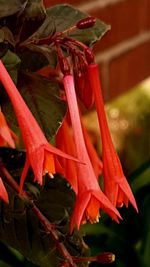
x,y
86,23
105,258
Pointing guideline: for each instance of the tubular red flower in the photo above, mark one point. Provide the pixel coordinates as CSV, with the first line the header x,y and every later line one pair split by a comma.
x,y
90,198
3,192
39,153
96,162
6,135
65,142
83,88
116,186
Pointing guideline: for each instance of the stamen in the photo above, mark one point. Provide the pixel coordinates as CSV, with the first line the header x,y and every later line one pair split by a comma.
x,y
63,62
51,175
103,258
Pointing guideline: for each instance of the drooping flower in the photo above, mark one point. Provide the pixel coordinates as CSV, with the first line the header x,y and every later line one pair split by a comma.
x,y
65,142
39,153
95,160
3,192
83,88
116,186
7,137
90,198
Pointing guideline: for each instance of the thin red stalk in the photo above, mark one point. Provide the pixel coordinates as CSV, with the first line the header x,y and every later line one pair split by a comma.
x,y
49,228
9,178
75,42
106,257
84,259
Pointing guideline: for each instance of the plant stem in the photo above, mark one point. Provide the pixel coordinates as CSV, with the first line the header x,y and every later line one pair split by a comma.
x,y
49,228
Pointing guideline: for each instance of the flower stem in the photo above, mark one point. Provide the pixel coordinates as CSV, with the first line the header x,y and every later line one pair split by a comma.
x,y
102,258
49,228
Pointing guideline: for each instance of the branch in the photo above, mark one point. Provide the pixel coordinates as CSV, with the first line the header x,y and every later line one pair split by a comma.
x,y
49,228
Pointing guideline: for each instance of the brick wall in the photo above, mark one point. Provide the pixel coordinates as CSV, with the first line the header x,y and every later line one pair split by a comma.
x,y
124,52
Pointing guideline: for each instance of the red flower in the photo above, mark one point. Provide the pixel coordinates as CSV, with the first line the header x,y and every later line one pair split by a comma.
x,y
39,153
83,88
3,192
96,162
90,198
65,142
6,135
116,186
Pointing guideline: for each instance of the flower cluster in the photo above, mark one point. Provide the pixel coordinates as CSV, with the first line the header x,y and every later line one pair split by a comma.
x,y
75,157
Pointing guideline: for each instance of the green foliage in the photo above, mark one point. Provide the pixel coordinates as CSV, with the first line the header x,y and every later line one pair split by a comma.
x,y
21,229
58,19
42,97
8,8
65,16
11,62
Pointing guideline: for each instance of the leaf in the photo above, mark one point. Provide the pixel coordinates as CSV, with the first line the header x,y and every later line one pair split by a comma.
x,y
10,257
1,36
42,97
65,16
36,62
60,18
11,7
46,29
20,228
34,9
32,18
11,62
6,35
3,264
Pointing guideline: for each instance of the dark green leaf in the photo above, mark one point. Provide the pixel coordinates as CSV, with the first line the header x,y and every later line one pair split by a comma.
x,y
32,18
42,97
11,62
64,16
40,56
46,29
10,257
11,7
60,18
4,264
36,62
6,35
34,8
20,228
1,36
